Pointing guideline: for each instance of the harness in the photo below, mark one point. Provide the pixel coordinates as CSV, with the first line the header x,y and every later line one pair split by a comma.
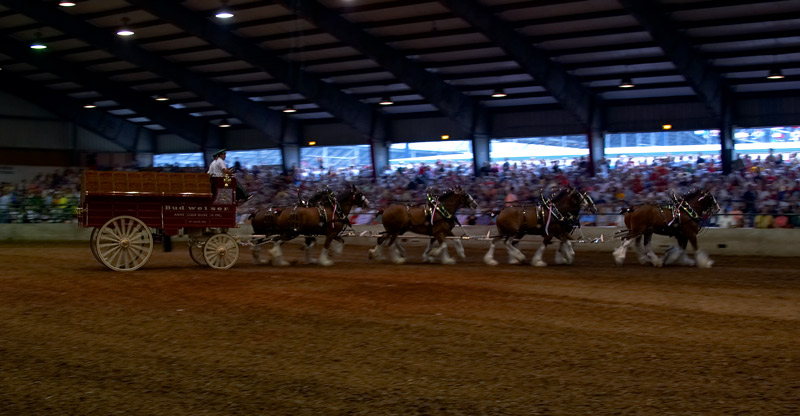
x,y
433,203
553,212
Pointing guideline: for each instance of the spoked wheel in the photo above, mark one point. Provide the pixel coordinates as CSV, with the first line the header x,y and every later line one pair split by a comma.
x,y
196,251
124,244
221,251
93,244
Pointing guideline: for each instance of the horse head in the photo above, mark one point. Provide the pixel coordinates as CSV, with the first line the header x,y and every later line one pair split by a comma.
x,y
466,199
587,202
702,201
352,196
456,197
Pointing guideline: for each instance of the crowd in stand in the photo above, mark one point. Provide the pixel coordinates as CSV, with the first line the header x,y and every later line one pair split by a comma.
x,y
760,192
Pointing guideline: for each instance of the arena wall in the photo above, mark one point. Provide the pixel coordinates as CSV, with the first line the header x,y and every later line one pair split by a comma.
x,y
716,241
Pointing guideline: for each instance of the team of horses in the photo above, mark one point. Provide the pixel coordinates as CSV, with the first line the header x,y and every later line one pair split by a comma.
x,y
553,218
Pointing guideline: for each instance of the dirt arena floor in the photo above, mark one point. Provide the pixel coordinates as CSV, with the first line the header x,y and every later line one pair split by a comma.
x,y
362,338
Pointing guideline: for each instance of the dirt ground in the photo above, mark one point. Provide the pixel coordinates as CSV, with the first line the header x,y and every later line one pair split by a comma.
x,y
362,338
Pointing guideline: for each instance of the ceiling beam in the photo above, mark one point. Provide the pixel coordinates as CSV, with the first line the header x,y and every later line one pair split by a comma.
x,y
565,88
115,129
193,130
348,109
259,116
462,109
689,61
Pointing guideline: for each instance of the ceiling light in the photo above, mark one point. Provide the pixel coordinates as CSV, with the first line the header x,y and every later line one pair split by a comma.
x,y
161,98
224,12
289,109
67,3
667,126
626,83
499,93
312,143
445,136
37,44
124,30
386,100
90,105
224,123
775,73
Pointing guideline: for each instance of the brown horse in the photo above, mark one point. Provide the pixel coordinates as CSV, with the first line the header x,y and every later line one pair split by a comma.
x,y
436,219
554,218
680,219
265,223
327,218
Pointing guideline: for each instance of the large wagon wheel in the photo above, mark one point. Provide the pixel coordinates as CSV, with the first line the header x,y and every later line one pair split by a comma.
x,y
196,250
124,243
221,251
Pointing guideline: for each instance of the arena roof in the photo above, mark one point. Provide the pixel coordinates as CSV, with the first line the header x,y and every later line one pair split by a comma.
x,y
697,63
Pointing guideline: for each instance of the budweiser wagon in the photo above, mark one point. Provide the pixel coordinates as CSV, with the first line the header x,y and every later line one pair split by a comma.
x,y
127,209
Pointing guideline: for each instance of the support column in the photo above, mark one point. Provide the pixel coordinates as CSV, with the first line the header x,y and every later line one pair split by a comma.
x,y
380,156
597,150
481,147
290,144
726,138
379,143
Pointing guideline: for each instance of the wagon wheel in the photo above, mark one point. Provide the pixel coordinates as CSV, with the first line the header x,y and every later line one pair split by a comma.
x,y
124,244
93,244
196,251
221,251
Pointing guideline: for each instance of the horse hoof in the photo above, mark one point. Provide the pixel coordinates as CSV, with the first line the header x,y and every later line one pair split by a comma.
x,y
490,262
399,260
281,263
326,263
539,263
449,261
514,260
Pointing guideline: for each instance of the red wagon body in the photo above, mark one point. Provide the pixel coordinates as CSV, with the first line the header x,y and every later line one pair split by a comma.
x,y
127,208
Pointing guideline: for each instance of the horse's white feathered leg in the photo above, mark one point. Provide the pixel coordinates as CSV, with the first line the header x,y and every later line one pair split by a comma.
x,y
703,261
337,247
488,258
673,255
427,254
642,250
565,254
256,252
394,253
308,250
619,252
376,253
446,259
459,249
537,257
277,255
515,255
323,257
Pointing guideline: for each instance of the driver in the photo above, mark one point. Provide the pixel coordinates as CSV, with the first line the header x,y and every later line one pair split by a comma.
x,y
218,169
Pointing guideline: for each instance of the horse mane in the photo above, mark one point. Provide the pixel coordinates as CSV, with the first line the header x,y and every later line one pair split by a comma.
x,y
561,192
692,193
